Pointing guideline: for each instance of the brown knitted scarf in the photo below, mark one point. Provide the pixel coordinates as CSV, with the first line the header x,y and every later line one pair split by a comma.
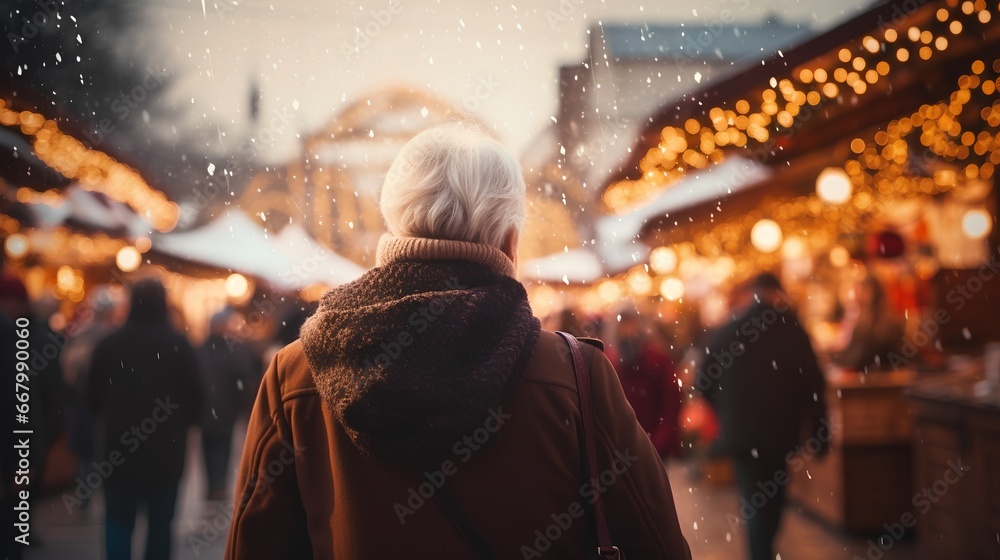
x,y
412,356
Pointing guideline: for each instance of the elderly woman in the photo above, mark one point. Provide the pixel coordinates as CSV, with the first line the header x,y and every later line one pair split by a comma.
x,y
425,414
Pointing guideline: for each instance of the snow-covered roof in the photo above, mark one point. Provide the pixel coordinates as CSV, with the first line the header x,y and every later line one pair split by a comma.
x,y
570,266
616,245
733,175
91,210
232,242
313,263
289,260
698,42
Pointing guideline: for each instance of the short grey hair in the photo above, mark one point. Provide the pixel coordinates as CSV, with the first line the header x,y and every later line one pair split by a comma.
x,y
454,182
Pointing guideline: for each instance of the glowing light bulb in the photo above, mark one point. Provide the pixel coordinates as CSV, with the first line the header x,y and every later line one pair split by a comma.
x,y
977,223
672,289
663,260
834,186
237,286
766,236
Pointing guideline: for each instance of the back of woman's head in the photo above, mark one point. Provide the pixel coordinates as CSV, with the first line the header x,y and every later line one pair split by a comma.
x,y
454,182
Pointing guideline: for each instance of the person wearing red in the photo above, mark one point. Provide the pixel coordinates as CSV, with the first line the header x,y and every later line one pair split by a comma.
x,y
649,378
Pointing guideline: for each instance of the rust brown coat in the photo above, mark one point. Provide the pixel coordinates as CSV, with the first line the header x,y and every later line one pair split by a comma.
x,y
306,491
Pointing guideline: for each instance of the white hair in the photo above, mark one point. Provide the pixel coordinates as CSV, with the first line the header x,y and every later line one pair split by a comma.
x,y
454,182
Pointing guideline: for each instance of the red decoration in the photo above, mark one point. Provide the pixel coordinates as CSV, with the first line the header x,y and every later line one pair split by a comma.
x,y
886,244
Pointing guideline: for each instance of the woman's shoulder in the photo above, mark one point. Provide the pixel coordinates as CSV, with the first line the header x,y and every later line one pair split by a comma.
x,y
291,370
553,362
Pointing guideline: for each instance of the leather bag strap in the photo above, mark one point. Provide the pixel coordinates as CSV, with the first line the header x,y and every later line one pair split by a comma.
x,y
604,547
449,504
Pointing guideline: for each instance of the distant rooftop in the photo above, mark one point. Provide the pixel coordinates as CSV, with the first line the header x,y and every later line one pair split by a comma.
x,y
697,42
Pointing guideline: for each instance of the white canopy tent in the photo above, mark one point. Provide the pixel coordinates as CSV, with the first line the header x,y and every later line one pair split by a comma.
x,y
91,210
313,263
291,259
571,266
616,246
233,242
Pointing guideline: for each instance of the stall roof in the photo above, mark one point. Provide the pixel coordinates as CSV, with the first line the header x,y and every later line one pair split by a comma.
x,y
715,40
313,263
291,259
848,114
231,242
732,176
570,267
90,211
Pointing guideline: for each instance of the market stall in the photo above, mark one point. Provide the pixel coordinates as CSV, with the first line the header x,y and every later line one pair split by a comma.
x,y
860,167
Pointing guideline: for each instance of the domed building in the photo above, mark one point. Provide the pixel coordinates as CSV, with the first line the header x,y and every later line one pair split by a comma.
x,y
332,189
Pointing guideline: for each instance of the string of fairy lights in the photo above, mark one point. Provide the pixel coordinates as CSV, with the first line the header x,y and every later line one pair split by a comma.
x,y
93,169
848,198
698,144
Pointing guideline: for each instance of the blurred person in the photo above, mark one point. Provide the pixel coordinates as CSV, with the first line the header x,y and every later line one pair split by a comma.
x,y
430,371
288,328
872,329
649,378
145,388
226,370
761,377
98,316
567,321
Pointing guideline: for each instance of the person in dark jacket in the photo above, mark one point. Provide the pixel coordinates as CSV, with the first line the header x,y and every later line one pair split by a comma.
x,y
226,370
144,386
761,377
94,321
430,372
650,381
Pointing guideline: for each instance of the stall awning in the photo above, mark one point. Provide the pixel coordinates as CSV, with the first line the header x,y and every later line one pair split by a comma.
x,y
313,263
287,260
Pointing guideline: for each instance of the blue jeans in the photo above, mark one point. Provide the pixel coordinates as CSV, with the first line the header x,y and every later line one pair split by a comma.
x,y
121,506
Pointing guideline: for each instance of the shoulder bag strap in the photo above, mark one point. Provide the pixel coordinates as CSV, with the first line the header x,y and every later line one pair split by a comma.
x,y
604,547
449,504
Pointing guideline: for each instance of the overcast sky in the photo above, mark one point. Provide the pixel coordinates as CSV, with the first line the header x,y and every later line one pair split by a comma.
x,y
321,55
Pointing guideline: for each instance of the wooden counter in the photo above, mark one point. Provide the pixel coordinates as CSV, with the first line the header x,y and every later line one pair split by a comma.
x,y
956,428
867,478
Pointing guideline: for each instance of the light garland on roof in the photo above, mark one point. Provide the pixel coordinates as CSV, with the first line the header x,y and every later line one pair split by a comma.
x,y
880,176
94,169
864,62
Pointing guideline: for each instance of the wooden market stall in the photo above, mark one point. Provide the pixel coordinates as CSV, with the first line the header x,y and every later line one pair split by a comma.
x,y
867,151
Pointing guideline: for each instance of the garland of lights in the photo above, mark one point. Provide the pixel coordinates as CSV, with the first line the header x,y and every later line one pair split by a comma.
x,y
880,177
697,144
94,169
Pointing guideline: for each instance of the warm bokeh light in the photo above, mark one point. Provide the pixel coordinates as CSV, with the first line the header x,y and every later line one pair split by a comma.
x,y
64,278
93,169
143,244
834,186
839,256
128,259
977,223
639,282
766,236
237,286
663,260
16,246
794,248
672,288
609,291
